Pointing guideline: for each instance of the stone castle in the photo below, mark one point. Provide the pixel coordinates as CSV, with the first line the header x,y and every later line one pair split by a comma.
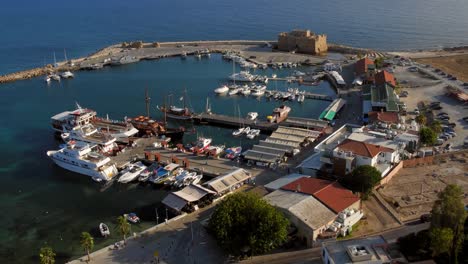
x,y
302,41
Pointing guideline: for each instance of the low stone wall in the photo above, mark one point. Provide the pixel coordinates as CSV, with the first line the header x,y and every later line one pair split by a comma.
x,y
392,173
429,160
347,49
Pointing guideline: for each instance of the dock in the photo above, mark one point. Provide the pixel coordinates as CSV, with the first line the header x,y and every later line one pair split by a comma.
x,y
314,96
263,125
330,112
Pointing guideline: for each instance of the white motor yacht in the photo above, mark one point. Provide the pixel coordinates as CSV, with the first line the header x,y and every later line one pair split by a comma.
x,y
252,115
67,74
131,172
81,158
245,91
258,92
55,77
222,90
253,133
234,91
240,131
243,76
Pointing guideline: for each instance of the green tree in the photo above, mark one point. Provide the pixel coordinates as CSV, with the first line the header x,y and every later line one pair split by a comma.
x,y
448,212
436,126
440,238
427,136
47,255
124,227
421,119
379,62
362,180
244,221
87,243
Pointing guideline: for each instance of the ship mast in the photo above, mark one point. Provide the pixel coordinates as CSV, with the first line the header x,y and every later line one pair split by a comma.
x,y
147,100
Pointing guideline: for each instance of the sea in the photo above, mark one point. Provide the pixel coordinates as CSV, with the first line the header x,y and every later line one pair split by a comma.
x,y
43,204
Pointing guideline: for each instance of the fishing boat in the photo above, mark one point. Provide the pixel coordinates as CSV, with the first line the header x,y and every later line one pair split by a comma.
x,y
131,172
148,172
221,90
258,92
178,113
232,153
253,133
241,131
104,229
132,218
215,150
201,144
280,114
165,173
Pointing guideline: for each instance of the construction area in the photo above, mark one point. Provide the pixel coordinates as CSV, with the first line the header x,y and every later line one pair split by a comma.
x,y
414,189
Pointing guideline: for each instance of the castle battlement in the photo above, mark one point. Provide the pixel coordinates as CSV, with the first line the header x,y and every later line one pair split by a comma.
x,y
302,41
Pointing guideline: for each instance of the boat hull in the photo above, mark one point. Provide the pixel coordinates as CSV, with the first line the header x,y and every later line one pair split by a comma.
x,y
80,170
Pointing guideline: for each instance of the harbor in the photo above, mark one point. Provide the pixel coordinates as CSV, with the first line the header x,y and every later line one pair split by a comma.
x,y
169,75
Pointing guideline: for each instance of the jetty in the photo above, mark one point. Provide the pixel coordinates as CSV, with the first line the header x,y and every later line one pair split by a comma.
x,y
330,112
263,125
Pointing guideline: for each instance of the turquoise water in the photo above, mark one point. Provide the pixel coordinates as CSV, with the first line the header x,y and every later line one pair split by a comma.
x,y
47,204
32,30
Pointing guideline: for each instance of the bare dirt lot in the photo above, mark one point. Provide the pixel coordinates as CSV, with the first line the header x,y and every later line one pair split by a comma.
x,y
413,191
456,65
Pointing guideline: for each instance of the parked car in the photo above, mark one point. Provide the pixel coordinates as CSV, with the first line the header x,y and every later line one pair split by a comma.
x,y
442,114
452,125
465,84
453,78
443,118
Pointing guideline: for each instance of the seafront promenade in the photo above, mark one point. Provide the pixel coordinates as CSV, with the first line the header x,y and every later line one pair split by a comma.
x,y
258,51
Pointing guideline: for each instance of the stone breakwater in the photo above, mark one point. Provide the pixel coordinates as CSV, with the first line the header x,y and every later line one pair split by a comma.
x,y
155,50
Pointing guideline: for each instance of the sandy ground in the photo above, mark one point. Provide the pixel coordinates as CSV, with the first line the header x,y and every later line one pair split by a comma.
x,y
424,89
456,65
415,189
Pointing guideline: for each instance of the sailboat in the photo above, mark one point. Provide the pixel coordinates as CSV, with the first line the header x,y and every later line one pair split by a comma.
x,y
178,113
242,129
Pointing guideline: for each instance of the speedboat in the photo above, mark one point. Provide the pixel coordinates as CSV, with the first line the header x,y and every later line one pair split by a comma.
x,y
105,232
253,133
185,180
148,172
55,77
243,76
222,90
197,178
234,152
301,98
252,115
233,91
131,172
132,218
202,144
47,79
245,91
65,136
241,131
67,74
258,92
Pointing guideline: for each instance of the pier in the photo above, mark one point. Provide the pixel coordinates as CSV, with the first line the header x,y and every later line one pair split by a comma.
x,y
264,126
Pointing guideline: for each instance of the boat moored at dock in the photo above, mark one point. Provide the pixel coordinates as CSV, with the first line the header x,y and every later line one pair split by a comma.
x,y
82,158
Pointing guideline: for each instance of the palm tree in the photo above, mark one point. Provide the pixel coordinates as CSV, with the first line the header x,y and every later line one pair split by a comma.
x,y
124,227
47,255
87,243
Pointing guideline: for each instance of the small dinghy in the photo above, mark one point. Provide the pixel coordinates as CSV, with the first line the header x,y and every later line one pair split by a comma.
x,y
104,230
132,218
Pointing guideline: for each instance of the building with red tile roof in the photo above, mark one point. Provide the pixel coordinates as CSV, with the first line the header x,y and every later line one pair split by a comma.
x,y
363,65
386,117
384,77
331,194
362,148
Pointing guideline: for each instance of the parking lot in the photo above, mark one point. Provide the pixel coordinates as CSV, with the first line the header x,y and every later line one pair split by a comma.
x,y
422,91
